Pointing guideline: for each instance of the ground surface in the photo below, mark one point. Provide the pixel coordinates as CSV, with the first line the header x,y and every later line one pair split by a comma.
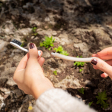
x,y
82,27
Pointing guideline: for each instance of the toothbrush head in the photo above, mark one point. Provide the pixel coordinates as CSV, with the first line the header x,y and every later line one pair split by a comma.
x,y
16,42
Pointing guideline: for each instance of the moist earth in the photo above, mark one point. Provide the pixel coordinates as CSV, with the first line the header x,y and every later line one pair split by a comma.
x,y
81,27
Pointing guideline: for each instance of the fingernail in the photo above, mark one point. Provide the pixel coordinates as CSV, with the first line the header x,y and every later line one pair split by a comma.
x,y
31,45
94,61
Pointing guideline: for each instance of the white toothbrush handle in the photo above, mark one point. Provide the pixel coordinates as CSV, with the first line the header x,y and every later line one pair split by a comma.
x,y
69,58
17,46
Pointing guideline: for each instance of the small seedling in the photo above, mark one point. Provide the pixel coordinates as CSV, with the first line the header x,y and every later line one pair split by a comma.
x,y
64,53
22,44
34,29
48,42
35,34
61,51
79,63
55,72
49,49
81,90
80,70
90,103
102,97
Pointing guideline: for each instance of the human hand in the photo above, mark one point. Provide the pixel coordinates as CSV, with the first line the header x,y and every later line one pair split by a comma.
x,y
29,75
105,66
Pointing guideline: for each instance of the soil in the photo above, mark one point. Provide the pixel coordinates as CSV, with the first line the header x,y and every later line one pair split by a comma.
x,y
81,27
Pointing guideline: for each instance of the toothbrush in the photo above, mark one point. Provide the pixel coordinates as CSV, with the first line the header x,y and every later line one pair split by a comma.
x,y
17,44
69,58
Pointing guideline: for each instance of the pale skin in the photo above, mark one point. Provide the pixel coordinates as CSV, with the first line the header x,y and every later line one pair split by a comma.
x,y
29,74
105,66
30,78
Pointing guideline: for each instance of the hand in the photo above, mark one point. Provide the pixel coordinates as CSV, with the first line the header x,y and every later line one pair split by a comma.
x,y
105,66
29,75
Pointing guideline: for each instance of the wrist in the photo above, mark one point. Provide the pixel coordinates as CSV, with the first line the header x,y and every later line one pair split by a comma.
x,y
40,88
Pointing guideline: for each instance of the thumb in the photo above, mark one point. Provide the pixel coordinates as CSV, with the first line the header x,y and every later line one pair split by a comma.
x,y
33,55
33,63
33,52
102,65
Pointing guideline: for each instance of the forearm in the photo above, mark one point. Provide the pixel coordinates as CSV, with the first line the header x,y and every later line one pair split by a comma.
x,y
57,100
43,86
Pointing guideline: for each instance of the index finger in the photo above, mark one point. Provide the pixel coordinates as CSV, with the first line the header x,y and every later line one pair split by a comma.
x,y
23,63
105,54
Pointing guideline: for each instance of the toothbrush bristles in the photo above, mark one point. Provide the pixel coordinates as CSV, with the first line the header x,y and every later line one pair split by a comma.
x,y
16,41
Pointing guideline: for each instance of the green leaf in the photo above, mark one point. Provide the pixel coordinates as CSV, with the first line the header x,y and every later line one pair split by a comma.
x,y
81,64
22,44
102,97
52,45
81,90
61,51
55,72
80,70
64,53
48,42
35,34
90,103
34,29
105,105
41,44
55,49
49,49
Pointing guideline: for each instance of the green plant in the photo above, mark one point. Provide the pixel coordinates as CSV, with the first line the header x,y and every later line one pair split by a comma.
x,y
90,103
81,90
64,53
49,49
48,42
102,97
80,70
34,29
79,63
61,51
35,34
22,44
55,72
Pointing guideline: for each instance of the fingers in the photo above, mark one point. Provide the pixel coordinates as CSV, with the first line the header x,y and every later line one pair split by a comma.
x,y
104,75
105,54
102,65
41,61
23,62
108,62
